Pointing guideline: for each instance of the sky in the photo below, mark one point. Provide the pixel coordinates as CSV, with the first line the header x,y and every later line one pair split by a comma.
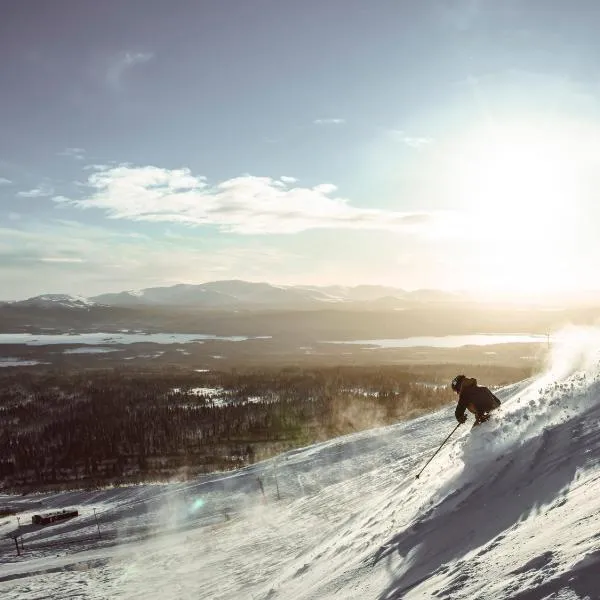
x,y
447,144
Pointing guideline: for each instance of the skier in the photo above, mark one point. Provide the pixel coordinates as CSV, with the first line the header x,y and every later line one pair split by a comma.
x,y
476,398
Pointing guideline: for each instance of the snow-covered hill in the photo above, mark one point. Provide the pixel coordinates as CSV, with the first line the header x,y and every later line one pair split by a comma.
x,y
507,510
57,301
246,294
239,294
236,294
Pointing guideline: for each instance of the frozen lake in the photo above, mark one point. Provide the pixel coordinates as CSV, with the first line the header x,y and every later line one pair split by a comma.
x,y
17,362
108,339
114,338
451,341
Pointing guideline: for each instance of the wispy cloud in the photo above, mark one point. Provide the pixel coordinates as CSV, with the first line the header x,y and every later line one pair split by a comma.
x,y
122,63
61,259
330,121
41,191
4,181
74,153
416,142
244,205
97,167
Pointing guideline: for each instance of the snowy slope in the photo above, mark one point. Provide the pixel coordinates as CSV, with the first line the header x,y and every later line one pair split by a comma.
x,y
57,301
508,510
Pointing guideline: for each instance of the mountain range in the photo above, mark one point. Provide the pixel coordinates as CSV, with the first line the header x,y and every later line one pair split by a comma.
x,y
237,294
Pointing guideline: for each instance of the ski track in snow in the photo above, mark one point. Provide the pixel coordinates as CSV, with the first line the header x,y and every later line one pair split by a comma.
x,y
510,509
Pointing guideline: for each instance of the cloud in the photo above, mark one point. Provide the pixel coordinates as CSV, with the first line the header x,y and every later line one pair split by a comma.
x,y
98,167
39,192
23,245
411,141
416,142
325,188
244,205
286,179
329,121
4,181
122,63
74,153
61,259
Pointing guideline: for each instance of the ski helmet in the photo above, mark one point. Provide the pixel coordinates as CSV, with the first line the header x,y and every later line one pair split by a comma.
x,y
456,382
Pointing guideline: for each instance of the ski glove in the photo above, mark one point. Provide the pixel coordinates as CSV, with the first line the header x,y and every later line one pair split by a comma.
x,y
461,419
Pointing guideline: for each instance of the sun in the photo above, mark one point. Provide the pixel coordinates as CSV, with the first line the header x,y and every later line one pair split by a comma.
x,y
518,179
515,185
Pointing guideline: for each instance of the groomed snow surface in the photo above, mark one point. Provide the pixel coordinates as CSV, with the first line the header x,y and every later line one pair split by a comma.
x,y
510,509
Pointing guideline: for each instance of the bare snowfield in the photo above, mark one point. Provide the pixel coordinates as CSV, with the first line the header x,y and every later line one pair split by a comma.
x,y
510,509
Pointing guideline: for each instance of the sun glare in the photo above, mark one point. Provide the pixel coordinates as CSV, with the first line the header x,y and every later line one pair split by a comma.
x,y
517,187
519,181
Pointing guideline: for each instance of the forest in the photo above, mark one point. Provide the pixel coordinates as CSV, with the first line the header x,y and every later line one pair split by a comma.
x,y
89,428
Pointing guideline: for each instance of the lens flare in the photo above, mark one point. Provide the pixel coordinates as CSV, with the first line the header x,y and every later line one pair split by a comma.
x,y
197,504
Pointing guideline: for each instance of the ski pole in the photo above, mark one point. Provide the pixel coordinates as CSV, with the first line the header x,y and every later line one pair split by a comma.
x,y
419,473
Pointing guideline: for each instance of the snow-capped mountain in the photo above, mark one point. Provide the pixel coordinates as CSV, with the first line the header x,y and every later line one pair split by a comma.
x,y
177,295
237,294
508,510
221,294
359,293
57,301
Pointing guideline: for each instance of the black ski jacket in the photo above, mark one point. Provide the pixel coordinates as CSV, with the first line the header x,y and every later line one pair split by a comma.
x,y
476,398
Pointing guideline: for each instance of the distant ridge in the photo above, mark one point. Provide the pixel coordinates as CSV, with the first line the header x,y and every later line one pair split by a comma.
x,y
239,294
57,301
242,294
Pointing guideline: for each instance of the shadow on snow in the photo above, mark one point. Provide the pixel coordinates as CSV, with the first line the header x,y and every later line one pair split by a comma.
x,y
488,501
